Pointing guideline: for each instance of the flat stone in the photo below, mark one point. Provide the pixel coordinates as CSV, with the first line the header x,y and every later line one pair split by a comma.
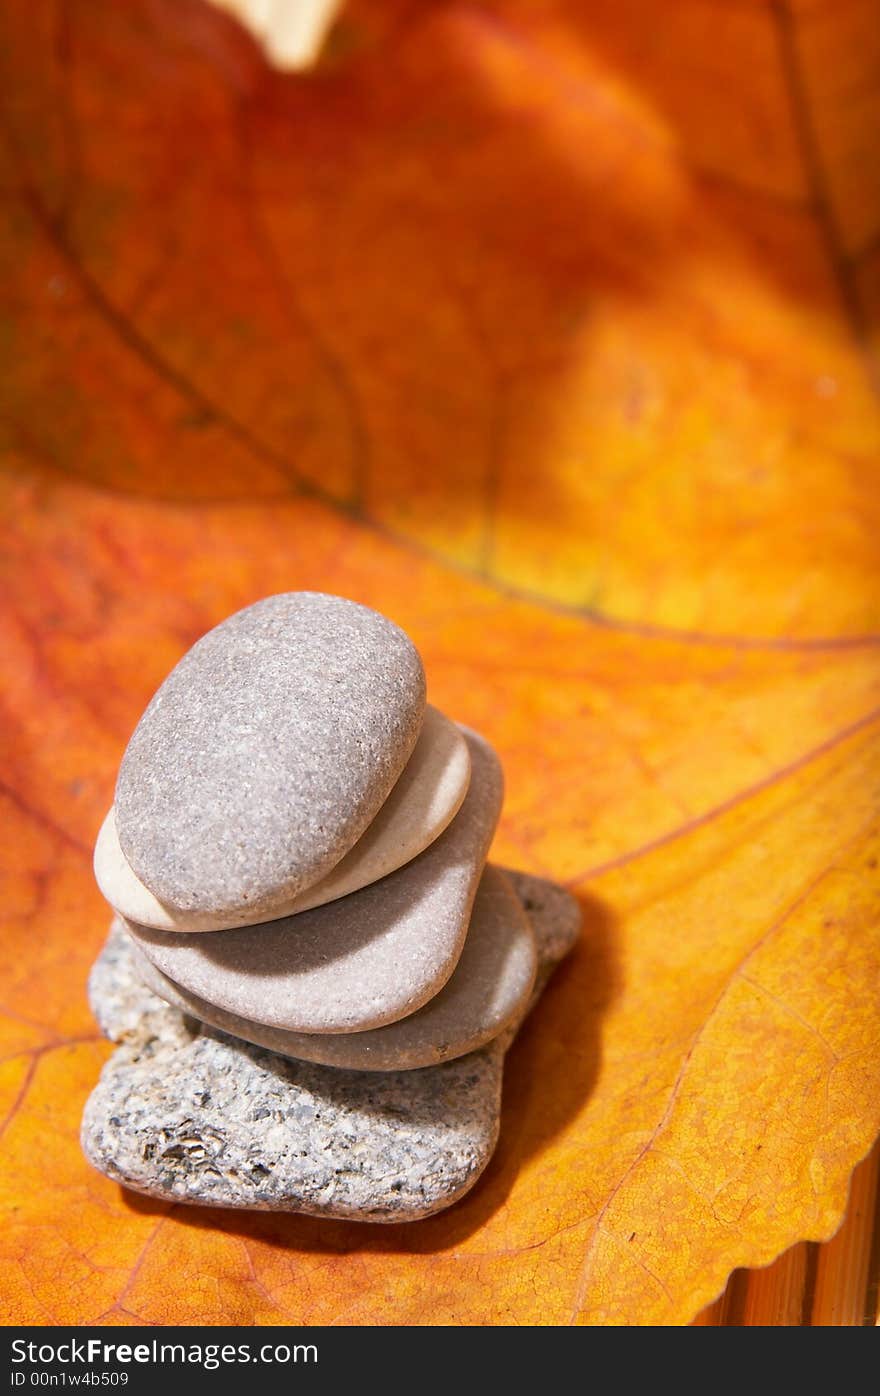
x,y
189,1115
267,752
360,962
425,798
490,985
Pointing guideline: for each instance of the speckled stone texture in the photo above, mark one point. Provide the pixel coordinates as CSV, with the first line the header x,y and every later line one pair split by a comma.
x,y
423,801
267,752
189,1115
360,962
490,985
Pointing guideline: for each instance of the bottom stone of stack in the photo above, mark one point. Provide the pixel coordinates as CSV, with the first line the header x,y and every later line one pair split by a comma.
x,y
185,1113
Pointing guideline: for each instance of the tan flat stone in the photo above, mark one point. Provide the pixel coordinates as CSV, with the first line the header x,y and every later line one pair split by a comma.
x,y
426,797
359,962
490,985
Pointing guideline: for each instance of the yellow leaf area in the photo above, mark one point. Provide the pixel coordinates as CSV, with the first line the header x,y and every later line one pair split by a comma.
x,y
700,1079
549,340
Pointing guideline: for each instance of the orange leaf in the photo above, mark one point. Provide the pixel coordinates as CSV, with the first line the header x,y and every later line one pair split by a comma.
x,y
548,340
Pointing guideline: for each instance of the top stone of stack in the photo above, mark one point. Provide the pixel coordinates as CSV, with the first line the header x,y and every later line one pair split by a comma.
x,y
267,753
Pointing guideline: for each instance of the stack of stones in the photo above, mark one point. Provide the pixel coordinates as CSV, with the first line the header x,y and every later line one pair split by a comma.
x,y
312,972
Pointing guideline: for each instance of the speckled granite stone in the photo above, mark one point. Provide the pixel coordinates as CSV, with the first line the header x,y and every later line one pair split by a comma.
x,y
187,1114
423,801
360,962
490,985
267,752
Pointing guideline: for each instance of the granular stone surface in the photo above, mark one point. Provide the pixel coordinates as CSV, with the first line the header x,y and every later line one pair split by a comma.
x,y
186,1114
490,985
359,962
422,802
267,752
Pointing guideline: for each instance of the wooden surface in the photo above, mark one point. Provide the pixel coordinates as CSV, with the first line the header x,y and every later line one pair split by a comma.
x,y
833,1284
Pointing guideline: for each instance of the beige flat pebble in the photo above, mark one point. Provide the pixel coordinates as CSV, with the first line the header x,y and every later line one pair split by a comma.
x,y
359,962
490,985
267,752
426,797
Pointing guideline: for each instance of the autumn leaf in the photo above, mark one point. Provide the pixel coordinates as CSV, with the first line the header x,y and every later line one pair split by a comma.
x,y
550,340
